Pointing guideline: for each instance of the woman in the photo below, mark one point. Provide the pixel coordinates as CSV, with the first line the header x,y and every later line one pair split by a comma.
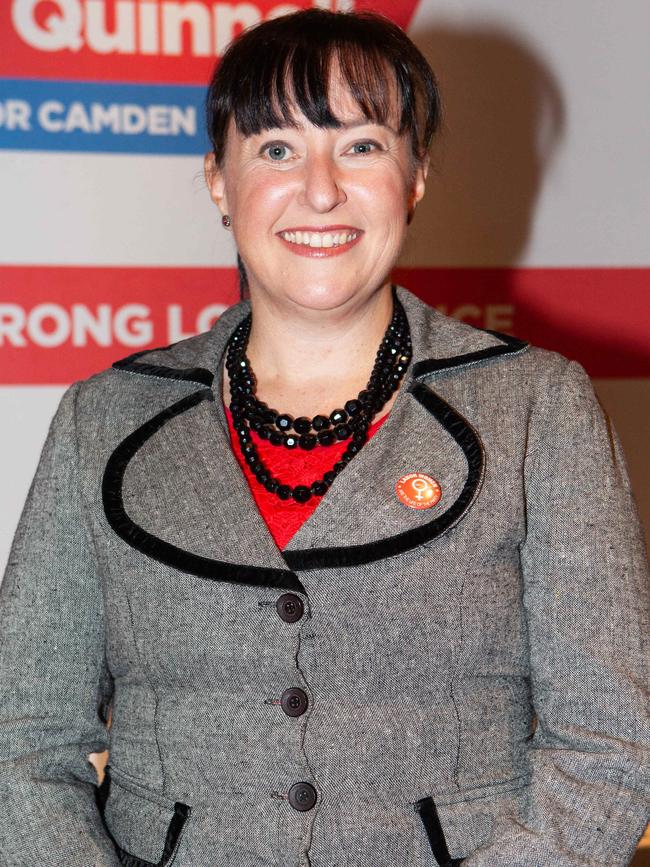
x,y
361,584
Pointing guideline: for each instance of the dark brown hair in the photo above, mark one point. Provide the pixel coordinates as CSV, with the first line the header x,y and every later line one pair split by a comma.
x,y
285,64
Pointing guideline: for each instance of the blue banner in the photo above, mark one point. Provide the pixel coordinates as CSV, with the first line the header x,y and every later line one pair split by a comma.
x,y
102,117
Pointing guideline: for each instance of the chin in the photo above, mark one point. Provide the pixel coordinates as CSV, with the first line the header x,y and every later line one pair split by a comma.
x,y
322,297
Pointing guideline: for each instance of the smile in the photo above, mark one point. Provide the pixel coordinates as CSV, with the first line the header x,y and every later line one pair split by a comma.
x,y
320,242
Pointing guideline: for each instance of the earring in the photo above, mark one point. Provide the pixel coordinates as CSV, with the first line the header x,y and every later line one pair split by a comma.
x,y
226,221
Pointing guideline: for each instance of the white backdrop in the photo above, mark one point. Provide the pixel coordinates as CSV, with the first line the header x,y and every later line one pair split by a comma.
x,y
542,165
535,220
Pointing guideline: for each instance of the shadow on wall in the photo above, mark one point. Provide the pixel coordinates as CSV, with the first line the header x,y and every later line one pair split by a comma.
x,y
504,119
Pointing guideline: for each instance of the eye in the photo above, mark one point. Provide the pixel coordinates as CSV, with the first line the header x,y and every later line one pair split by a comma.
x,y
365,147
277,151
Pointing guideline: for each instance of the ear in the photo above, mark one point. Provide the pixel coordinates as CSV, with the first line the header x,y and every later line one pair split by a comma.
x,y
418,186
214,181
420,179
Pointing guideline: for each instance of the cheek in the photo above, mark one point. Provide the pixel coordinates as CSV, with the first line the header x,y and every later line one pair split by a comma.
x,y
386,195
259,199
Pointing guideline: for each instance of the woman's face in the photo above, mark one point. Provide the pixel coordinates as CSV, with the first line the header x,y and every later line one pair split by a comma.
x,y
319,215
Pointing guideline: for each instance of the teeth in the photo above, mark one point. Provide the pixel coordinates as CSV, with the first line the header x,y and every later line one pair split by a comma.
x,y
319,239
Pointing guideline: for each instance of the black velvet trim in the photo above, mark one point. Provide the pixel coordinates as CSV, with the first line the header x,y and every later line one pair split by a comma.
x,y
188,374
512,345
314,558
427,809
174,831
158,549
356,555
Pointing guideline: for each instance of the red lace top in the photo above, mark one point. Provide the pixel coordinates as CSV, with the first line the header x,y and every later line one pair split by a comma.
x,y
295,467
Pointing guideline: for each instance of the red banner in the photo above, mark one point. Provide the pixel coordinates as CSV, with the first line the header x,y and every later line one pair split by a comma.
x,y
139,40
597,316
58,324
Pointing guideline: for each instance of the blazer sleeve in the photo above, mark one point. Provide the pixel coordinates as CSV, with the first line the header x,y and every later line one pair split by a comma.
x,y
54,681
585,598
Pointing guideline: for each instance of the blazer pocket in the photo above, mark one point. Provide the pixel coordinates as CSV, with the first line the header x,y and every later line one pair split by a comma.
x,y
145,827
426,809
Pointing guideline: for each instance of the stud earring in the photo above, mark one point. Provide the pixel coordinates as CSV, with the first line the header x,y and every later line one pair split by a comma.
x,y
226,221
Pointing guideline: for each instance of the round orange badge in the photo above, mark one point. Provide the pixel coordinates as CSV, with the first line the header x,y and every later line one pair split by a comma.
x,y
418,491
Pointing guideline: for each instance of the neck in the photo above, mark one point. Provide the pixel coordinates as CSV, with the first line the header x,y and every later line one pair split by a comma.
x,y
305,361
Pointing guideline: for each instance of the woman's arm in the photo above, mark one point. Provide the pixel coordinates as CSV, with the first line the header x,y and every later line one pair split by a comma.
x,y
586,603
53,679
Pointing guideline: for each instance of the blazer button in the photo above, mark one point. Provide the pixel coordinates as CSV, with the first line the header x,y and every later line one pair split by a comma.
x,y
294,701
290,607
302,796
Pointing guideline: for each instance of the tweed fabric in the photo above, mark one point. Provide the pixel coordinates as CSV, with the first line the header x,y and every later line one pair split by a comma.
x,y
496,663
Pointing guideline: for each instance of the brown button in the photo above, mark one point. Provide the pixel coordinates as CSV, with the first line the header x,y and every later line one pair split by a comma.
x,y
418,491
302,796
290,607
293,701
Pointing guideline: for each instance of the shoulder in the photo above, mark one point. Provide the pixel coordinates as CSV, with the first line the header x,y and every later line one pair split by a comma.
x,y
188,364
549,383
473,364
104,408
441,342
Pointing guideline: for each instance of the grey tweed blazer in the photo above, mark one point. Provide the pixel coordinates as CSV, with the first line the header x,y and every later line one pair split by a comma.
x,y
397,688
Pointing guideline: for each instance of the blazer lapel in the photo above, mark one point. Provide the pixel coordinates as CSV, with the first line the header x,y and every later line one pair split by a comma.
x,y
361,519
174,490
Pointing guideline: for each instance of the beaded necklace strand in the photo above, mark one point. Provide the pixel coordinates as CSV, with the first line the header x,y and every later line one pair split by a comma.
x,y
281,429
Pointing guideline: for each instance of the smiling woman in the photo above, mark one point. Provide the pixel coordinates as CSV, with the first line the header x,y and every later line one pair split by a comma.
x,y
286,191
361,584
337,121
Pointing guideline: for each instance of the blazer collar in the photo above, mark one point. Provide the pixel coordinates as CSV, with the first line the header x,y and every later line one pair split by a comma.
x,y
439,343
173,490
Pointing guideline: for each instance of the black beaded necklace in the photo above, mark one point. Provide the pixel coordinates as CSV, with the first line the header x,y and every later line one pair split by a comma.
x,y
350,423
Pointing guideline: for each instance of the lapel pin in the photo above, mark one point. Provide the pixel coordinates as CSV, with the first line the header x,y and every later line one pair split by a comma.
x,y
418,491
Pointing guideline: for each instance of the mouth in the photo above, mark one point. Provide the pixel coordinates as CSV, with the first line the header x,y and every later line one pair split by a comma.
x,y
320,242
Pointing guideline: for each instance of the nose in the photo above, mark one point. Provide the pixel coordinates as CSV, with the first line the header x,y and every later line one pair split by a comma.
x,y
323,187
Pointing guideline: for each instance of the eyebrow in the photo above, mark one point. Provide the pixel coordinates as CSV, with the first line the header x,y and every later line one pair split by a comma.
x,y
364,121
352,124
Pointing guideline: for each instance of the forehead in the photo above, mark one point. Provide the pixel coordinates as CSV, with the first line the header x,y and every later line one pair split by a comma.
x,y
336,107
